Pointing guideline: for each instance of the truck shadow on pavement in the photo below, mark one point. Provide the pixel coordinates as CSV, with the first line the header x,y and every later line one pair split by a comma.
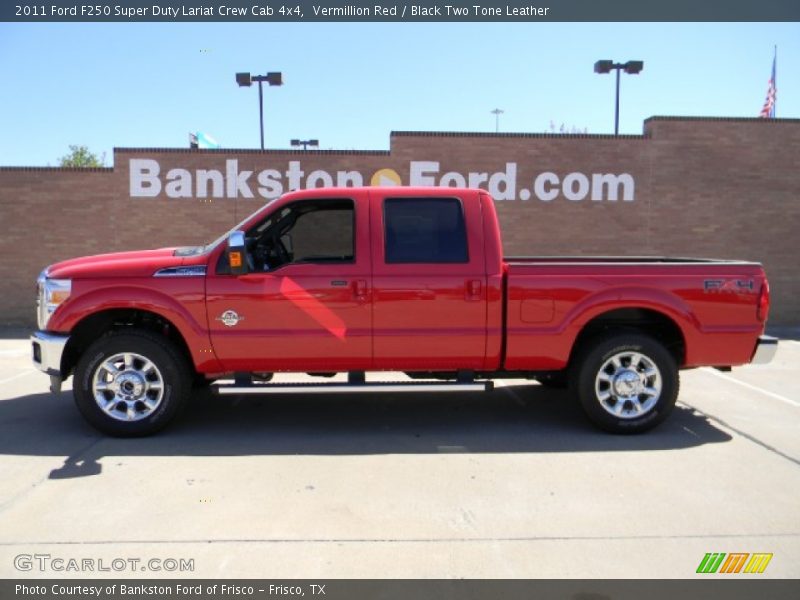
x,y
526,418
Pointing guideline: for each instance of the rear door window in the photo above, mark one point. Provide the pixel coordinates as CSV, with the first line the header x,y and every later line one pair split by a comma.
x,y
424,230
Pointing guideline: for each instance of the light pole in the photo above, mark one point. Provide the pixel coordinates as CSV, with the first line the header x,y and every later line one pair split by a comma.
x,y
632,67
305,143
497,112
246,80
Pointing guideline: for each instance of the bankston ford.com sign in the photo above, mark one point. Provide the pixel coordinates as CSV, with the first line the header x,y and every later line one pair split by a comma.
x,y
148,180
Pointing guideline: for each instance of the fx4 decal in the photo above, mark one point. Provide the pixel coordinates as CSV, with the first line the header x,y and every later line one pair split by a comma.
x,y
729,285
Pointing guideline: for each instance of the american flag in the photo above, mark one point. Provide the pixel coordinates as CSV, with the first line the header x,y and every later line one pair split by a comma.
x,y
768,111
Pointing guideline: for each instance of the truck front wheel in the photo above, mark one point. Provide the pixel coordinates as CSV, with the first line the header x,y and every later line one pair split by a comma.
x,y
626,383
131,383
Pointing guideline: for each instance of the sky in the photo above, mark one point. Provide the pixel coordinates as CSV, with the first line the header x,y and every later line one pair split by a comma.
x,y
349,85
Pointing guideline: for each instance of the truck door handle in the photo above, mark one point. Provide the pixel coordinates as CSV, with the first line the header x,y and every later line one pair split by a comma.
x,y
474,287
360,290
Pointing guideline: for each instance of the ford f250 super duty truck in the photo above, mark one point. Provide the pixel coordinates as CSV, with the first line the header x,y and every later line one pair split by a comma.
x,y
354,280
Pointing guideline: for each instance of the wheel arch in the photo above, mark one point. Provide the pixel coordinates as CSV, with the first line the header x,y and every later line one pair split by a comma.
x,y
97,324
652,322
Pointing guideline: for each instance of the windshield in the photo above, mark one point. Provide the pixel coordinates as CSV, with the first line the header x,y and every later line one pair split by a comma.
x,y
197,250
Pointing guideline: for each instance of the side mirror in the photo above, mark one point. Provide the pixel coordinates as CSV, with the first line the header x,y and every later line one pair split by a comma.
x,y
237,253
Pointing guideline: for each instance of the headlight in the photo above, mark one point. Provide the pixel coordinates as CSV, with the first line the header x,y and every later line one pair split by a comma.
x,y
52,292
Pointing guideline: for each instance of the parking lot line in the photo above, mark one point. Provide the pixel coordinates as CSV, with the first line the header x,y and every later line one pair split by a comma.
x,y
14,353
17,376
716,373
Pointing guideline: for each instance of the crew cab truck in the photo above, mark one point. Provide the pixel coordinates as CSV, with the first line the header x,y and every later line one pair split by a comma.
x,y
354,280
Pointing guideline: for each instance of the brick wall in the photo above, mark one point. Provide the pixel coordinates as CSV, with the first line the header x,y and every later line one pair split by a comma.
x,y
724,188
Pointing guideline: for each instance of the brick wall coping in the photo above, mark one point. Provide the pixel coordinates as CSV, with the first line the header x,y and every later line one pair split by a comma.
x,y
291,152
61,169
729,119
486,134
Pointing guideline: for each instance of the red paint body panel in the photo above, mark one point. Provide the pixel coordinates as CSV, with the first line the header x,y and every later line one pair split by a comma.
x,y
141,263
719,328
486,314
424,315
179,300
496,271
295,318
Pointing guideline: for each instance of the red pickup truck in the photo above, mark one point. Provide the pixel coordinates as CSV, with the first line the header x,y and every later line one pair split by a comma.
x,y
406,279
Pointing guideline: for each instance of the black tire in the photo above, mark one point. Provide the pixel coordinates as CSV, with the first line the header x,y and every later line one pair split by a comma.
x,y
200,382
557,380
172,370
598,394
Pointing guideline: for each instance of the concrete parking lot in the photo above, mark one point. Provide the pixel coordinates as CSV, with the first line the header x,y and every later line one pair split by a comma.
x,y
514,483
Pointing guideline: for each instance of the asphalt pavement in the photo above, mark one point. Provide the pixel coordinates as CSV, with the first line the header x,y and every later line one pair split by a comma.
x,y
509,484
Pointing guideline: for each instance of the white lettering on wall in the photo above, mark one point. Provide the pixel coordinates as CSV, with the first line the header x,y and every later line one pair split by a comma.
x,y
544,186
612,184
146,182
179,184
419,170
317,177
452,179
237,180
503,185
294,174
476,179
576,192
270,182
206,176
349,179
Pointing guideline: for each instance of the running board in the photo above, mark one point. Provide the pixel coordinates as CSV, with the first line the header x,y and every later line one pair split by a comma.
x,y
328,388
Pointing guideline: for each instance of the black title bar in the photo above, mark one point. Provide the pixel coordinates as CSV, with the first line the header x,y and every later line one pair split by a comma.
x,y
395,11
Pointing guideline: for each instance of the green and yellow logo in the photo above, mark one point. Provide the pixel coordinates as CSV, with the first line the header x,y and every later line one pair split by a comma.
x,y
735,562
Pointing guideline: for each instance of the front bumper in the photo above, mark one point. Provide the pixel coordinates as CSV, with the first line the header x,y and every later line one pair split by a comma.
x,y
766,346
47,351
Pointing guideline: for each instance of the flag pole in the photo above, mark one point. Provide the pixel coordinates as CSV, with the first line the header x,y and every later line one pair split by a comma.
x,y
775,80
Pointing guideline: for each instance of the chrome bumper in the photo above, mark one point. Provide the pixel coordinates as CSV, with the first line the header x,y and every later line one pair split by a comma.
x,y
766,346
47,350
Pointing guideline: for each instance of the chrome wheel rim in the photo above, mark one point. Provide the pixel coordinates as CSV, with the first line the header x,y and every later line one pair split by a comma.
x,y
628,385
128,387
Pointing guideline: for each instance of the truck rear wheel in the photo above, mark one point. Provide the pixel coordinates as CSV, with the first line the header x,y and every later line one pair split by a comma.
x,y
626,383
131,383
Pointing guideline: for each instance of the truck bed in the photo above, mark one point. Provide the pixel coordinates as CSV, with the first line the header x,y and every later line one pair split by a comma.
x,y
550,299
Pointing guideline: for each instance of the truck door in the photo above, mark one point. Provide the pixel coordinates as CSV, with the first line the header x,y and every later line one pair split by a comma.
x,y
429,282
305,304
